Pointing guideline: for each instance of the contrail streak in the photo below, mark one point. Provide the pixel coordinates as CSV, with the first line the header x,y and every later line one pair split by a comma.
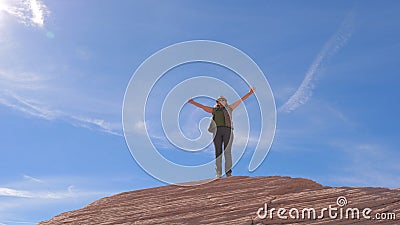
x,y
336,42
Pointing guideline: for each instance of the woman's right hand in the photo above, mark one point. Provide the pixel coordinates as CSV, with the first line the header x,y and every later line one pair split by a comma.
x,y
191,101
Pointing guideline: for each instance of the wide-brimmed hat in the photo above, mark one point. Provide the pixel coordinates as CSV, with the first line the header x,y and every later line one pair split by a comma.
x,y
221,98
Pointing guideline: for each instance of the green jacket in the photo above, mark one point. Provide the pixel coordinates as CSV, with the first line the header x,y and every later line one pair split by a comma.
x,y
227,115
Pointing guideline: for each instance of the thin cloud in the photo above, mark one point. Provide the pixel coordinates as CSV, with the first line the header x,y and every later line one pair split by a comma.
x,y
140,126
32,95
8,192
60,191
29,178
37,95
27,12
96,124
69,193
37,109
242,139
336,42
38,10
16,222
366,163
30,107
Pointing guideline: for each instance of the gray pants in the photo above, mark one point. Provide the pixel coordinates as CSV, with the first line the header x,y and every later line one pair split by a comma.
x,y
224,135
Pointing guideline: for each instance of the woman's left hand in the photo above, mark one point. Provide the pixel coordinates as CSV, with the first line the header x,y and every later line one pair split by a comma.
x,y
252,90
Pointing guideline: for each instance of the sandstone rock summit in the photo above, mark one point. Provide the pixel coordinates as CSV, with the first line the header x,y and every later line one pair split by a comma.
x,y
243,200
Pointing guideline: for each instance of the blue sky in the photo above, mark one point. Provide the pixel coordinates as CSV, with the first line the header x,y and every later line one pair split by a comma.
x,y
64,67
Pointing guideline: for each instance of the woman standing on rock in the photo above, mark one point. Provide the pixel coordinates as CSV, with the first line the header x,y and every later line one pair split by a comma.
x,y
223,134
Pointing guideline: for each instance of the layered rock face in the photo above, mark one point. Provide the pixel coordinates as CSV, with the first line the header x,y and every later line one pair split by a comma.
x,y
243,200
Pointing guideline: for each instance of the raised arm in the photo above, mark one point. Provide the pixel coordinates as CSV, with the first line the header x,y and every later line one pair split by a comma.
x,y
205,108
235,104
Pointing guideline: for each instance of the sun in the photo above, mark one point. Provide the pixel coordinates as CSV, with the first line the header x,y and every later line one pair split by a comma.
x,y
4,7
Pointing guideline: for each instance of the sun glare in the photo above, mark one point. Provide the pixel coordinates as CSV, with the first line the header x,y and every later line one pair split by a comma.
x,y
27,12
1,11
3,8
